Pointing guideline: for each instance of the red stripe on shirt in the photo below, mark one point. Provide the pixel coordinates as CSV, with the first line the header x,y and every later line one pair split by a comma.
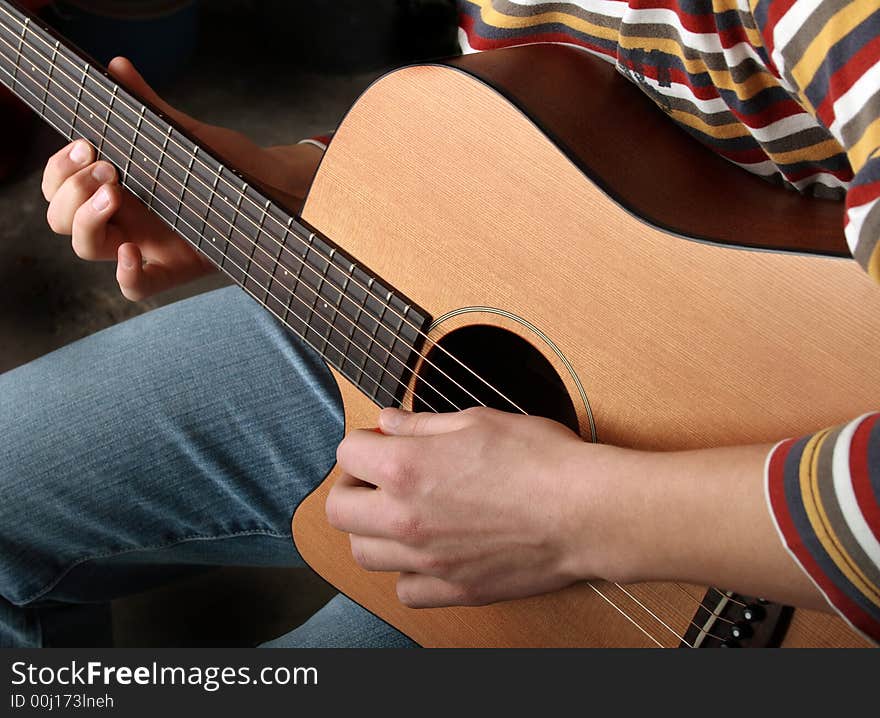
x,y
775,13
793,539
844,77
859,472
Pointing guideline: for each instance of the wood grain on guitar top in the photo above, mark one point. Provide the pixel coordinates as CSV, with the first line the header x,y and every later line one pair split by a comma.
x,y
446,189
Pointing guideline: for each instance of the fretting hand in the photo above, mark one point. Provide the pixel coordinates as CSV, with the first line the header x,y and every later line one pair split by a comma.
x,y
108,223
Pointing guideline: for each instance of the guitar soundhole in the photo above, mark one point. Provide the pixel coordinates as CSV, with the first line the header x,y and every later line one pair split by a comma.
x,y
484,365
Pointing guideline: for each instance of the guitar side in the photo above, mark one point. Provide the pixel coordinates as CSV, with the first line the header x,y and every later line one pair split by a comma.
x,y
442,185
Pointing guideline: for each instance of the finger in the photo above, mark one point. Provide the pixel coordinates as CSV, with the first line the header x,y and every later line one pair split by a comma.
x,y
388,462
93,238
355,508
404,423
66,162
420,591
76,191
122,69
382,554
138,280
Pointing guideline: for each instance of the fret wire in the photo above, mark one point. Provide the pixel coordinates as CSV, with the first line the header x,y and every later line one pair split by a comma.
x,y
49,76
357,317
107,121
211,197
395,335
177,218
418,331
45,117
283,320
338,305
302,336
71,132
183,194
235,214
375,335
257,236
79,92
277,260
18,55
326,306
318,298
131,148
159,167
302,264
289,310
364,305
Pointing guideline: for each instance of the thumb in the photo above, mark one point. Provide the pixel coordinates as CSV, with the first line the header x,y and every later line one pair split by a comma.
x,y
122,69
396,422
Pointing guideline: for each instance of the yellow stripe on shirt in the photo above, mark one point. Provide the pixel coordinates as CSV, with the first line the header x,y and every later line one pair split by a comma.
x,y
809,480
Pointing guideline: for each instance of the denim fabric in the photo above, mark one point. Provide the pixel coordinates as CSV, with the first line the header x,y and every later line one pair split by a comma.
x,y
183,438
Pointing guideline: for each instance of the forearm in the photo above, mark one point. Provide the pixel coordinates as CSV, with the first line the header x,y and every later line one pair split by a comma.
x,y
696,516
299,164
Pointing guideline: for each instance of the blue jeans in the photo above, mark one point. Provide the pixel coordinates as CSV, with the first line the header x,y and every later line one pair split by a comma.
x,y
183,438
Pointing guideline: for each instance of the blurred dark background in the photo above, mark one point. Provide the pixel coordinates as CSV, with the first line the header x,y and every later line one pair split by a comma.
x,y
277,70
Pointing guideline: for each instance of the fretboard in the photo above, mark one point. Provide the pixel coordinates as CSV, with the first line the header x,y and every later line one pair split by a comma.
x,y
358,323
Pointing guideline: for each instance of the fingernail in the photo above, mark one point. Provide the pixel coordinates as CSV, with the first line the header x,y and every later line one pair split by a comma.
x,y
127,262
80,153
391,418
103,172
101,200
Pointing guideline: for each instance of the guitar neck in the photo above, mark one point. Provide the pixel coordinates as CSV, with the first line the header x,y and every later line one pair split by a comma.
x,y
358,324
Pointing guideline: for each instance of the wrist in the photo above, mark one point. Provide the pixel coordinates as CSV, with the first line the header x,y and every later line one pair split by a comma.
x,y
696,516
609,523
691,516
300,163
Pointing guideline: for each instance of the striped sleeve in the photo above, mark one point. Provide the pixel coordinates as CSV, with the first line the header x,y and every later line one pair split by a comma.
x,y
824,495
828,54
824,490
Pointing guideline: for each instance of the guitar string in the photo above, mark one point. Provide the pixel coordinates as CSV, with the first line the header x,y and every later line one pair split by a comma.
x,y
177,216
727,594
60,130
303,262
368,290
699,601
625,614
692,599
669,605
655,616
384,371
246,275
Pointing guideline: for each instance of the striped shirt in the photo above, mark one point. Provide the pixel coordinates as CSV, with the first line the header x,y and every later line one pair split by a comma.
x,y
789,90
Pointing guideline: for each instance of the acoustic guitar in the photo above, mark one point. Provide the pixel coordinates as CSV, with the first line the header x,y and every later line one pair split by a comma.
x,y
521,229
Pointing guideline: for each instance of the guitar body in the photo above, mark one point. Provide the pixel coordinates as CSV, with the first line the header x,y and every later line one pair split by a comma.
x,y
579,258
452,189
